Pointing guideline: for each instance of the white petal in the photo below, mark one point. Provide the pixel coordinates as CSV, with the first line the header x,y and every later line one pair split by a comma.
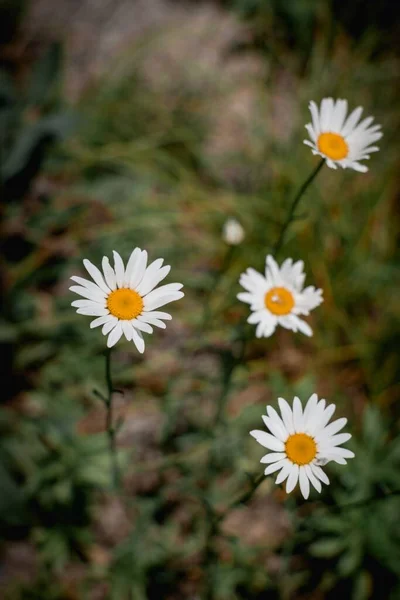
x,y
287,415
330,457
285,472
359,167
131,265
109,274
272,270
327,415
352,120
157,314
159,299
311,144
267,440
344,452
89,285
127,329
315,482
93,312
307,300
336,440
292,479
96,275
115,335
138,270
326,113
142,326
119,269
274,415
299,325
333,427
152,321
245,297
311,132
275,429
297,415
273,457
340,115
253,281
304,483
138,341
109,325
164,289
275,467
315,117
257,316
102,320
309,410
95,295
152,277
266,326
318,472
84,303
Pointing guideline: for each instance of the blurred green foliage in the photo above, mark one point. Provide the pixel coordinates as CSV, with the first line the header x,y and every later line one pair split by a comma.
x,y
160,161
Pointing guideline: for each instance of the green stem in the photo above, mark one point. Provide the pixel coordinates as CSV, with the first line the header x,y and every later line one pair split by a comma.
x,y
110,428
227,380
294,205
243,497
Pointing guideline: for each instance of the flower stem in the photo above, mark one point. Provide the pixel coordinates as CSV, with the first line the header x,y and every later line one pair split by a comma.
x,y
243,497
294,205
110,427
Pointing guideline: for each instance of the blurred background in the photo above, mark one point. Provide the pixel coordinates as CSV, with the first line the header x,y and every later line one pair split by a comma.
x,y
149,123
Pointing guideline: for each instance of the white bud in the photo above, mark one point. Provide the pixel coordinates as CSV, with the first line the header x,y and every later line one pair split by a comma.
x,y
233,232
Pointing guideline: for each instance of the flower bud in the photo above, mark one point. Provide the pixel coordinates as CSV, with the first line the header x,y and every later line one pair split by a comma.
x,y
233,232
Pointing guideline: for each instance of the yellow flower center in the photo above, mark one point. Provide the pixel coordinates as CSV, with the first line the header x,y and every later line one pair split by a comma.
x,y
125,304
300,448
279,301
333,146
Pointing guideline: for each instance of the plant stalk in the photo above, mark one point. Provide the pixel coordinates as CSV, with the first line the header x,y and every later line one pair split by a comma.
x,y
294,205
110,427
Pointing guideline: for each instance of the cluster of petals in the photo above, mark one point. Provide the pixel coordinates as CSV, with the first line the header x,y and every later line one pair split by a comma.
x,y
278,298
342,141
136,284
301,441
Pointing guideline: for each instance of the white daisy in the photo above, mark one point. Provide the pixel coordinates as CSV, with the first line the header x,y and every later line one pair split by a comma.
x,y
341,141
124,299
302,441
279,298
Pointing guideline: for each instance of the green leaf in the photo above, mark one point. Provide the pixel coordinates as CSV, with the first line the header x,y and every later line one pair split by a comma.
x,y
33,139
327,547
374,431
350,561
362,587
45,75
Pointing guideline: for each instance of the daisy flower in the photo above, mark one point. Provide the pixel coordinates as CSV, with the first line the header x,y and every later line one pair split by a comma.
x,y
279,297
125,299
339,140
302,441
